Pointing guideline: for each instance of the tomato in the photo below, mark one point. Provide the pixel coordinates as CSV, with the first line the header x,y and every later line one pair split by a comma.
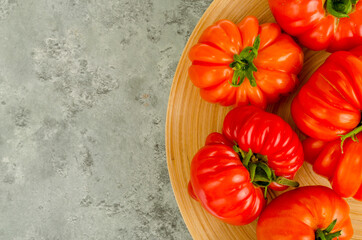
x,y
328,110
342,169
321,24
306,213
222,185
244,64
330,103
256,150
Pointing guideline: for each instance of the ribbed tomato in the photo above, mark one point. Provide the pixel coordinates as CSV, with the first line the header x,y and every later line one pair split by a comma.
x,y
321,24
306,213
342,169
228,54
256,150
330,103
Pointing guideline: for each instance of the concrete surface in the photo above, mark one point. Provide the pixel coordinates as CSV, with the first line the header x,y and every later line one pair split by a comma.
x,y
84,86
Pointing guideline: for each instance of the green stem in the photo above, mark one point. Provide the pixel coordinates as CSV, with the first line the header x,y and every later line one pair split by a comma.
x,y
352,134
320,235
244,66
252,170
261,175
287,182
238,65
326,234
247,157
340,8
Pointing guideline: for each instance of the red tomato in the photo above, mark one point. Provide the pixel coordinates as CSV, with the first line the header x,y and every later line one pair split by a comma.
x,y
228,54
330,103
321,24
342,169
256,150
328,109
306,213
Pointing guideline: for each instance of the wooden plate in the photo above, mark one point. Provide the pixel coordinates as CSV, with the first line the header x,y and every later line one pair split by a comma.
x,y
190,119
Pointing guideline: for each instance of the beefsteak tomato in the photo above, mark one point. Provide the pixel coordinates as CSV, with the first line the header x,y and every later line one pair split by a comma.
x,y
306,213
329,104
256,150
227,54
321,24
342,169
328,109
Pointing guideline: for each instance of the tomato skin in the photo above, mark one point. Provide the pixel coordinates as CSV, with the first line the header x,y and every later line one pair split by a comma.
x,y
219,180
297,214
278,62
342,169
330,103
315,28
312,148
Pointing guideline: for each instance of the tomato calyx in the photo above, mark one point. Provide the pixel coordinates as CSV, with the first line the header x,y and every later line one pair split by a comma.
x,y
261,175
340,8
326,234
352,134
244,66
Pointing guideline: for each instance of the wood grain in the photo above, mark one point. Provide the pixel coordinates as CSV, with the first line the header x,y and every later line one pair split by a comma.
x,y
190,119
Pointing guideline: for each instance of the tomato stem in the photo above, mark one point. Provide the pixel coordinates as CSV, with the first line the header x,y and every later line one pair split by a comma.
x,y
244,66
287,182
326,234
340,8
247,157
352,134
261,175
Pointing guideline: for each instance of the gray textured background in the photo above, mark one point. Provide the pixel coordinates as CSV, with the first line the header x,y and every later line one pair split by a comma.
x,y
84,86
